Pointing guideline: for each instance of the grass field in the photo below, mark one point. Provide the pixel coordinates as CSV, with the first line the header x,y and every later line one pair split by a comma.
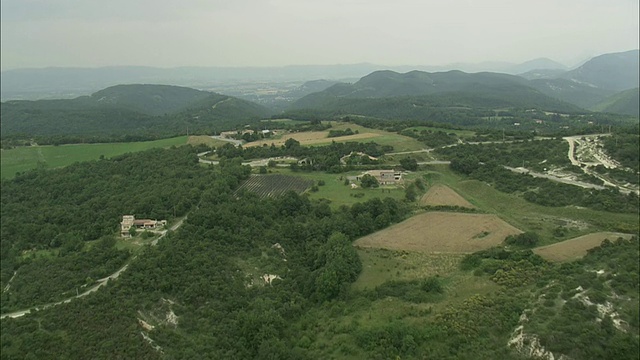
x,y
337,192
441,232
576,248
527,216
399,142
27,158
205,139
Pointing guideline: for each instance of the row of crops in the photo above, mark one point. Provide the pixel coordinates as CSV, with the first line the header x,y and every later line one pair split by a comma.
x,y
275,185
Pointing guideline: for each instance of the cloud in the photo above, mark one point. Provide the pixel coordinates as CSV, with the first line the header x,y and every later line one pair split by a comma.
x,y
281,32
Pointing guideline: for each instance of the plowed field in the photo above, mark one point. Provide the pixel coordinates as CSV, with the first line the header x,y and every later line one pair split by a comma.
x,y
576,248
440,232
439,195
275,185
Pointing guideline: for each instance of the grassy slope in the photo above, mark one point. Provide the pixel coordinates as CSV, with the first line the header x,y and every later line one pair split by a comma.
x,y
26,158
334,326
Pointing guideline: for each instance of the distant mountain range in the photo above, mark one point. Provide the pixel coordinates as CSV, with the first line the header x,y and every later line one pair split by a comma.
x,y
55,83
607,83
416,94
154,110
585,87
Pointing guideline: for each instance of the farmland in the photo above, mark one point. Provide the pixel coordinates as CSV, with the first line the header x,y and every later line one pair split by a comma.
x,y
439,195
335,190
26,158
576,248
206,140
440,232
381,137
274,185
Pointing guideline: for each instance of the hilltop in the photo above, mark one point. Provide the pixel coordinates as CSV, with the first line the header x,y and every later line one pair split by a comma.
x,y
414,93
155,110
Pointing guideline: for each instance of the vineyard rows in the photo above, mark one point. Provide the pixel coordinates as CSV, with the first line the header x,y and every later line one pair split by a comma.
x,y
275,185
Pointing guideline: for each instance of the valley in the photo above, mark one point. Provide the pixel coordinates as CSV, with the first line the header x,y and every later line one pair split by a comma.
x,y
405,215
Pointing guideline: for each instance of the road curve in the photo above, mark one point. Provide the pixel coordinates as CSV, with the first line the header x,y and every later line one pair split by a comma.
x,y
95,287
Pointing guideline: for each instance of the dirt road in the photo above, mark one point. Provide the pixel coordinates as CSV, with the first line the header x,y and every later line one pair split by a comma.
x,y
95,287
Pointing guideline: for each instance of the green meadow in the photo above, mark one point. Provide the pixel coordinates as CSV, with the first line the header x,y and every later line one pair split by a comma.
x,y
29,157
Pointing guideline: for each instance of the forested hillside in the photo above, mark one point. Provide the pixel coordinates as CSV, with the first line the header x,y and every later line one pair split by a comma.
x,y
626,102
421,95
152,110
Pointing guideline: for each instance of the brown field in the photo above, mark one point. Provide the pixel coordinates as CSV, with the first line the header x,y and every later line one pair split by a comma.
x,y
439,195
440,232
576,248
204,139
311,138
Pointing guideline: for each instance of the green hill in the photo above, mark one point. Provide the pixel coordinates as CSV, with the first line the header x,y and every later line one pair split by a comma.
x,y
418,94
154,110
616,71
626,103
149,99
576,93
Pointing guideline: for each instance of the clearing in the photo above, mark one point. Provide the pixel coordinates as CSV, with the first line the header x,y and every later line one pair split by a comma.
x,y
577,247
441,232
442,195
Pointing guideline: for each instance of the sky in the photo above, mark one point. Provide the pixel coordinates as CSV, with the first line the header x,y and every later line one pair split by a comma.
x,y
171,33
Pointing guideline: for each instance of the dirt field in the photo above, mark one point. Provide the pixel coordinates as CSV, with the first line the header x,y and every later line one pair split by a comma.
x,y
204,139
576,248
439,195
439,232
312,138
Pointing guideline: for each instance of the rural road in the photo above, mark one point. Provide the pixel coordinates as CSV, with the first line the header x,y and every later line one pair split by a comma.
x,y
585,185
585,152
94,288
233,141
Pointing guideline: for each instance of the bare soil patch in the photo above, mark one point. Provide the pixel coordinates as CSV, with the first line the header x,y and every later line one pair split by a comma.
x,y
440,232
576,248
204,139
439,195
311,138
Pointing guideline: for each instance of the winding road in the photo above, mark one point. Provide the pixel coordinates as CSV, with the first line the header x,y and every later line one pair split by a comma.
x,y
95,287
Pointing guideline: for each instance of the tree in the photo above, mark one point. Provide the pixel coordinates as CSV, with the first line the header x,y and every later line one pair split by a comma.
x,y
291,143
368,181
409,164
528,239
411,193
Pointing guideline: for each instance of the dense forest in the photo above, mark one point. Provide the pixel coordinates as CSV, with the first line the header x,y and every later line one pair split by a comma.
x,y
151,110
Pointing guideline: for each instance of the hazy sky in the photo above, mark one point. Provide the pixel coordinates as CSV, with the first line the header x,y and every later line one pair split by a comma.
x,y
168,33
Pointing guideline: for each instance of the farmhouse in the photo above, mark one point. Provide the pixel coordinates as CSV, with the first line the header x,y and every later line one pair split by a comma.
x,y
129,221
384,177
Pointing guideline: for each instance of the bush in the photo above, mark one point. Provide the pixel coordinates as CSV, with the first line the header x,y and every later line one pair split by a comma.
x,y
527,239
